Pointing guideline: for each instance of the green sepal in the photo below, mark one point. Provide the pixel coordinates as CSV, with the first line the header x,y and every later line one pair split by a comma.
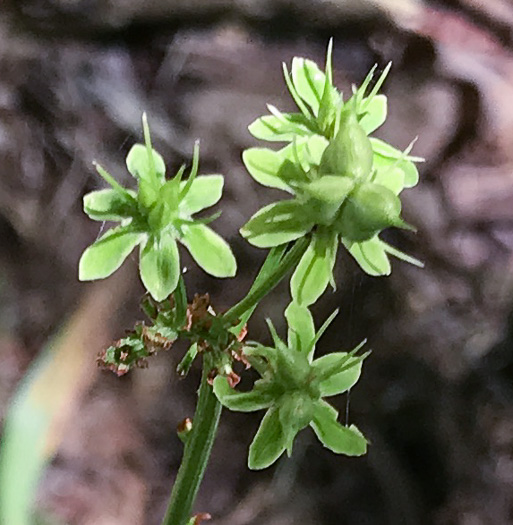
x,y
204,191
107,254
269,442
338,438
240,401
301,328
315,269
109,205
276,224
337,382
159,266
209,250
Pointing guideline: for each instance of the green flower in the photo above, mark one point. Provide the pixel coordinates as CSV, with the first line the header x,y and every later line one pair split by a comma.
x,y
344,184
155,217
292,390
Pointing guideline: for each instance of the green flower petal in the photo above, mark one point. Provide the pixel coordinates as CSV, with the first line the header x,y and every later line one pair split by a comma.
x,y
240,401
309,82
296,410
107,254
264,165
308,150
138,164
109,205
315,269
159,266
386,150
209,250
269,442
340,382
388,173
276,224
205,191
371,255
280,129
375,114
301,331
338,438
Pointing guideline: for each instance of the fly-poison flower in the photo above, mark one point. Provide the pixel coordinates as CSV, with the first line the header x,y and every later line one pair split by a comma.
x,y
345,184
292,389
155,217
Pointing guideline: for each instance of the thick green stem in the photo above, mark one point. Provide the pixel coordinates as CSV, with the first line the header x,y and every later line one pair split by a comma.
x,y
197,452
256,294
208,410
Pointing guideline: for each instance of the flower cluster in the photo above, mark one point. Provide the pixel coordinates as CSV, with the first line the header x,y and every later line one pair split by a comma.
x,y
345,184
292,388
155,217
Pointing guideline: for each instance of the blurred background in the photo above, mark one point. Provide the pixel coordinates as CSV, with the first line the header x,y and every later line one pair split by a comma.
x,y
436,396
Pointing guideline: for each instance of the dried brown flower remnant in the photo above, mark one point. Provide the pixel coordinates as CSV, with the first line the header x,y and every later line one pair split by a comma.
x,y
199,311
203,516
184,425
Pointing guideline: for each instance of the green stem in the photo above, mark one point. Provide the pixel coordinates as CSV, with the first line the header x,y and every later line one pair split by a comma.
x,y
208,410
256,294
196,454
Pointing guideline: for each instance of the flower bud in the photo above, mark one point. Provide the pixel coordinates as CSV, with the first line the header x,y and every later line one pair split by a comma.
x,y
326,195
350,152
369,209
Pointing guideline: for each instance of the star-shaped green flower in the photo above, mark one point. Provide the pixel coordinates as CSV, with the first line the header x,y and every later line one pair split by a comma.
x,y
292,390
345,184
155,217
